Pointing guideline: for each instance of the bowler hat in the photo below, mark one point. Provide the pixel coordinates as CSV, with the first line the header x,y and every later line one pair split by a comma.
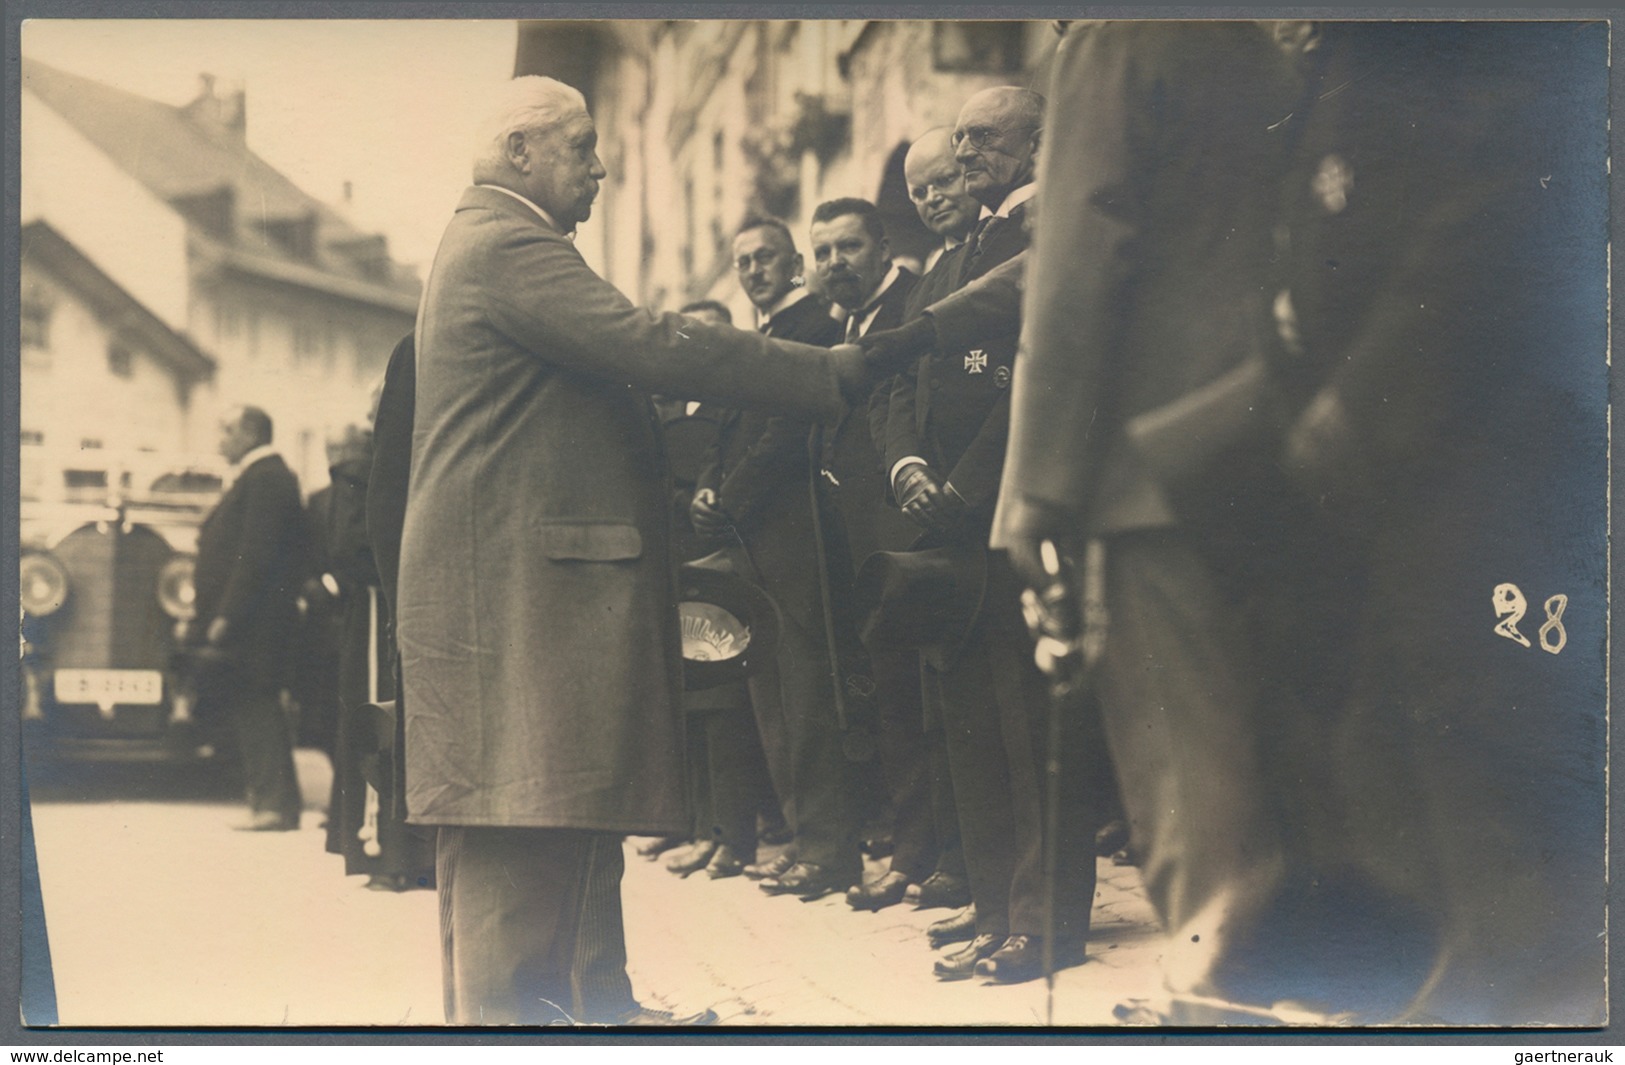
x,y
730,627
923,600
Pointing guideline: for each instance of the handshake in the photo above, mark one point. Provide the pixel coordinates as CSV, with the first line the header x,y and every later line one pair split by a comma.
x,y
861,365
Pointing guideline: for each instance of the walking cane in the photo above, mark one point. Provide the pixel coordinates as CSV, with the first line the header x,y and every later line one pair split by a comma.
x,y
1069,627
368,832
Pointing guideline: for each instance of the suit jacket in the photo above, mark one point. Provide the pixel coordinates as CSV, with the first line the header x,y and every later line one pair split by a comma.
x,y
252,552
1148,277
859,488
536,618
936,283
954,409
761,471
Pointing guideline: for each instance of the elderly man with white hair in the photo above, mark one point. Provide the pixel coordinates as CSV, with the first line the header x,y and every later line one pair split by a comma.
x,y
537,623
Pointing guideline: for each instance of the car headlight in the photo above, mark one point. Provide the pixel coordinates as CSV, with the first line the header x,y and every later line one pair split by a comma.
x,y
42,584
177,593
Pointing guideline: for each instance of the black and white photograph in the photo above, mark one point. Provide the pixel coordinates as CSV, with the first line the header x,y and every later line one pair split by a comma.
x,y
722,524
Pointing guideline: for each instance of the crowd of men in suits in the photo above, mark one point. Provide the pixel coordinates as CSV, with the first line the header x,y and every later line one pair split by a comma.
x,y
932,750
1222,343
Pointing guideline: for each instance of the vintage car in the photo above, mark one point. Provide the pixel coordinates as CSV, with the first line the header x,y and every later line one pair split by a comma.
x,y
107,544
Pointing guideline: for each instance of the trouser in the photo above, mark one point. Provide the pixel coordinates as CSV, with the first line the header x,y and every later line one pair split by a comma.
x,y
944,814
995,713
530,925
265,742
739,780
821,780
905,763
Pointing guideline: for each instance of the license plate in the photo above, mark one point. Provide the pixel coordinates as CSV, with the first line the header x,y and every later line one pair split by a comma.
x,y
104,687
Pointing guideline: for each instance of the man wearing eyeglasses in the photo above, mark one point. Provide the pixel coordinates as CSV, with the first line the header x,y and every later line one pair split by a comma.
x,y
945,454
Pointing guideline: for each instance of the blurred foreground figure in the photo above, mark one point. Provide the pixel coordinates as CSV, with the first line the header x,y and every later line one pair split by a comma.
x,y
537,622
1314,483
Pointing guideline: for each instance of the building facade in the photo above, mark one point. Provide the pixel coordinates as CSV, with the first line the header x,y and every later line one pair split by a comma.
x,y
707,122
295,310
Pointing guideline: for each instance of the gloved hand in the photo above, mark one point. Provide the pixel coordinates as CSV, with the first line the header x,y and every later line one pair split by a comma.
x,y
892,351
711,522
927,499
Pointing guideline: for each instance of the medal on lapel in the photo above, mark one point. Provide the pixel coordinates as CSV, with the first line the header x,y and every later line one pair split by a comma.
x,y
976,361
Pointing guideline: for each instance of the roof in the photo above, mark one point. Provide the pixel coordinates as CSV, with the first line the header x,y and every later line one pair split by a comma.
x,y
205,169
41,244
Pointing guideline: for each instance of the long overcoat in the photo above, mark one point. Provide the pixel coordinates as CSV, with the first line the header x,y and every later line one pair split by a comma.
x,y
537,625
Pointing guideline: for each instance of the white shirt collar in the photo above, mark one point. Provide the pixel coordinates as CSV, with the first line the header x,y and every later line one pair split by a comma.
x,y
791,298
871,306
543,214
250,457
1016,198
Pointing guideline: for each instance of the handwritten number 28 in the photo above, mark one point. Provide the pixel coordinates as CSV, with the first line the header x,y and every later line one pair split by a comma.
x,y
1510,607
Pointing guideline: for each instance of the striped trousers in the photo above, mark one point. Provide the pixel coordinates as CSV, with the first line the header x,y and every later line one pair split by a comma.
x,y
530,925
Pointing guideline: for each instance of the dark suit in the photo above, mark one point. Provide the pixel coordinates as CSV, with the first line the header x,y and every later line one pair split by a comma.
x,y
728,776
1151,280
992,701
856,484
536,617
761,471
1447,276
252,551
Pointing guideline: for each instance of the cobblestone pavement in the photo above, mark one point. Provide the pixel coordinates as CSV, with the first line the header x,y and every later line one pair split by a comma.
x,y
160,916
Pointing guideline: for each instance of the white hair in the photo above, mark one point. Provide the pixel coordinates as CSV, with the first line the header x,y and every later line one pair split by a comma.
x,y
526,103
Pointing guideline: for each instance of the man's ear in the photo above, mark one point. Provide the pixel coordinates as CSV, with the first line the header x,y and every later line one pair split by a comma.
x,y
1038,139
799,268
518,158
885,251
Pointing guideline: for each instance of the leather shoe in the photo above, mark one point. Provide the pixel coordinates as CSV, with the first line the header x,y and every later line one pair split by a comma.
x,y
644,1017
942,891
956,929
725,863
1022,959
878,894
268,821
772,869
690,859
1112,837
654,848
805,881
961,964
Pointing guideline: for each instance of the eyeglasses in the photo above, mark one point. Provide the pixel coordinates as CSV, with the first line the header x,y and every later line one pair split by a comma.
x,y
764,257
983,137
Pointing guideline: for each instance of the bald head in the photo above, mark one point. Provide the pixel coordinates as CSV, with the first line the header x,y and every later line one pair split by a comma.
x,y
996,141
936,186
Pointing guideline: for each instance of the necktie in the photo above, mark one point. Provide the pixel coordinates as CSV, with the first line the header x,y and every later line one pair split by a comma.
x,y
854,325
978,241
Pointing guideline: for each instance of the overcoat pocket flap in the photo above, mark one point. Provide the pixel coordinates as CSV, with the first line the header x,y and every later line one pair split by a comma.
x,y
589,541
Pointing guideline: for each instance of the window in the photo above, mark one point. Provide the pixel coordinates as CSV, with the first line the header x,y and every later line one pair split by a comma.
x,y
120,360
34,321
307,341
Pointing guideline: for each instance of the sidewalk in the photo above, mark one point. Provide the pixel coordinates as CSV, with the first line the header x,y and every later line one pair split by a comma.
x,y
761,960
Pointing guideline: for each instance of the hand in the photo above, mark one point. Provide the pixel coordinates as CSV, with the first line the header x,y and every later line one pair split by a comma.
x,y
892,351
710,520
852,373
927,499
1320,444
216,634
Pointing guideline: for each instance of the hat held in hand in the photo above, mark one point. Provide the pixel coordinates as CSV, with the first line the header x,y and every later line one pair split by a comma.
x,y
730,627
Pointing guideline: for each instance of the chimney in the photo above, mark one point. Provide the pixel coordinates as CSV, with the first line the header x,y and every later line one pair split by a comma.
x,y
227,114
